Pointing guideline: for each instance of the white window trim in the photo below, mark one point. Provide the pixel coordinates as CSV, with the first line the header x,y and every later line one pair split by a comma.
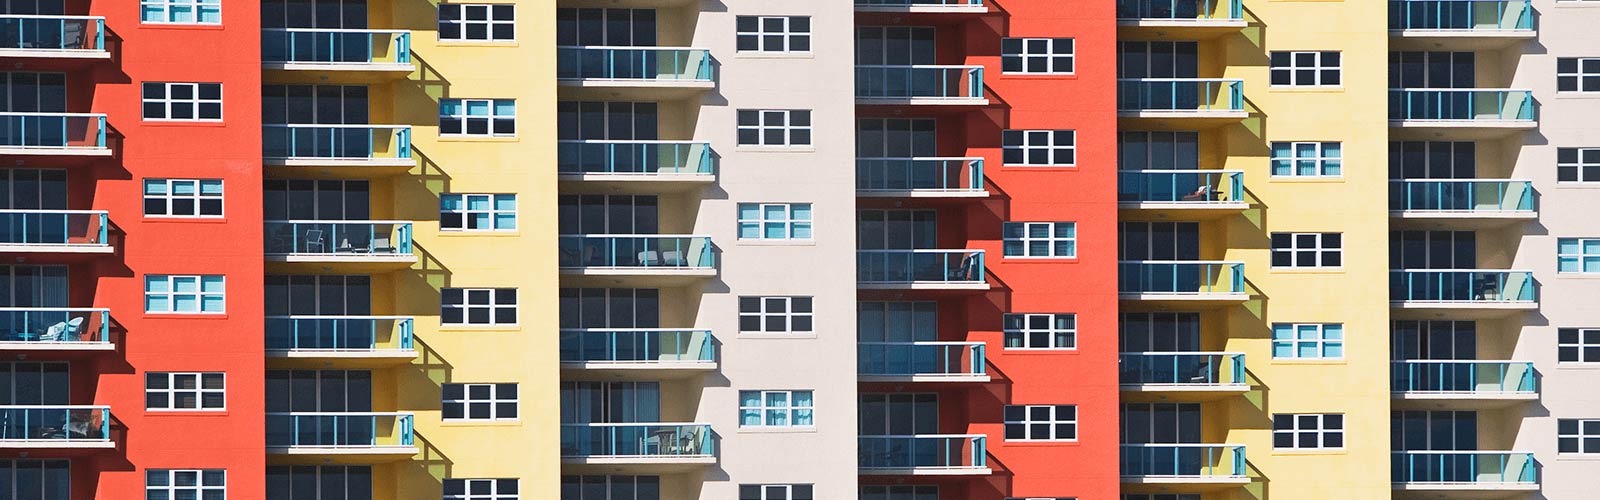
x,y
199,487
788,35
492,306
467,212
489,23
493,116
199,392
762,127
1294,341
788,315
494,489
1580,74
789,407
1294,242
1321,159
1318,68
1050,147
1582,360
494,402
1322,431
1049,57
167,9
1026,332
1052,239
1580,436
199,194
199,293
1027,422
786,493
1579,165
167,100
1579,256
788,221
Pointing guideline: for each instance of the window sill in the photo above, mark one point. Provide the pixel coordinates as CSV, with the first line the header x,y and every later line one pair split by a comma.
x,y
1306,90
1309,362
777,430
478,328
775,55
775,149
778,336
186,413
1572,457
1039,443
452,233
1038,260
1310,452
181,26
1577,365
151,315
183,123
1011,351
1577,185
1039,168
476,43
479,423
1295,270
1039,76
186,220
1578,276
1577,95
1308,179
776,243
469,138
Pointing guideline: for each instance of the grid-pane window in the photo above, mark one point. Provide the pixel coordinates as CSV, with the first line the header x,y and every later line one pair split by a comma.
x,y
182,101
183,197
478,306
184,294
1305,69
898,492
774,221
1308,340
1578,74
1578,345
777,34
1041,422
610,487
184,391
1307,159
1039,147
1578,255
1307,250
775,492
1041,331
1036,55
185,484
774,127
1578,436
478,212
775,314
479,401
477,22
1307,431
180,11
1041,239
478,117
1577,164
481,489
775,409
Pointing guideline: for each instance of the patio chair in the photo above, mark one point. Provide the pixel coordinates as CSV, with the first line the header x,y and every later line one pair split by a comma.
x,y
313,240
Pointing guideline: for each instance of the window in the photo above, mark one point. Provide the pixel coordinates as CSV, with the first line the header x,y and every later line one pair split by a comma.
x,y
180,11
774,34
184,391
1578,74
1577,164
774,127
1036,56
479,401
478,117
1041,422
775,314
1305,69
1306,250
478,306
1307,159
184,294
183,198
478,212
1578,436
1041,331
185,484
1308,340
35,479
1578,345
899,492
612,487
775,409
1039,147
183,101
1041,239
1307,431
774,492
774,221
477,22
1578,255
481,489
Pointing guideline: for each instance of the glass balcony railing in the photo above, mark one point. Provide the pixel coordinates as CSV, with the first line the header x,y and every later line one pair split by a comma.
x,y
73,228
925,174
1180,10
53,33
633,157
336,142
345,238
636,251
64,425
923,451
910,359
1198,187
1194,369
48,325
1461,196
919,3
1196,461
1466,377
340,333
633,63
636,345
1468,105
339,430
919,82
637,440
934,266
1461,15
53,131
1489,469
1196,95
1461,285
335,47
1178,277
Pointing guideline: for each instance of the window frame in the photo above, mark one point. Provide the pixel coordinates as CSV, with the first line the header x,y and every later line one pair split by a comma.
x,y
196,102
1579,76
1024,56
1021,142
1318,68
1581,258
790,409
172,487
1295,433
1321,159
1582,437
467,400
1027,423
465,212
789,313
1578,165
787,491
1026,332
788,221
1025,239
787,34
493,494
1580,347
171,391
199,293
489,22
195,7
467,307
761,128
1319,250
1321,342
196,197
464,118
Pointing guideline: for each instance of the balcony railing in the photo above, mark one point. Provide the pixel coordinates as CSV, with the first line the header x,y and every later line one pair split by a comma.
x,y
925,174
336,142
1461,15
72,228
344,238
633,63
633,157
1464,377
1489,469
919,82
933,266
335,47
637,441
1189,369
339,430
923,451
910,359
53,131
1191,461
1483,286
1461,105
1177,277
1198,187
53,33
1461,195
1197,95
63,425
339,333
1180,10
47,325
636,345
636,251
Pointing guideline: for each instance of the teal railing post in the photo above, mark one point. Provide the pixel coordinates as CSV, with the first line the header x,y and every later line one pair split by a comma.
x,y
104,221
100,134
404,55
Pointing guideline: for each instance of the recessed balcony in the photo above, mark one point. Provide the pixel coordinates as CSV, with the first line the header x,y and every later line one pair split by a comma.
x,y
1185,467
638,353
1180,19
55,427
1460,293
635,166
1461,113
921,269
357,341
651,73
53,37
349,245
343,437
1460,24
641,447
1196,376
922,6
53,134
920,177
919,85
1477,474
359,151
1192,283
345,55
640,259
1462,384
55,232
1461,203
1182,194
924,455
55,329
926,361
1189,103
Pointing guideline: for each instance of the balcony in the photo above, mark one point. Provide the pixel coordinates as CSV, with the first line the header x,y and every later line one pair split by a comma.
x,y
1460,24
919,85
55,329
921,362
1461,113
1185,467
53,134
1182,194
1192,283
922,6
635,72
1460,293
653,447
356,341
53,37
1461,203
636,166
1471,472
353,437
921,269
647,259
638,353
1462,384
54,231
924,455
55,427
342,55
924,177
1180,19
1196,376
1189,103
358,151
357,246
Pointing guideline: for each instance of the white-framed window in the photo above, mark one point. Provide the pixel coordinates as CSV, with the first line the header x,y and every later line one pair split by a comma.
x,y
478,117
773,34
193,294
1307,250
470,22
1308,340
1041,422
183,198
1580,436
774,221
478,212
775,492
1577,165
610,487
478,306
185,484
775,314
1578,74
1036,56
482,489
180,11
898,492
775,409
1039,148
479,401
1307,159
1307,431
1041,331
178,101
1578,345
1578,255
1305,68
1040,239
774,127
196,391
